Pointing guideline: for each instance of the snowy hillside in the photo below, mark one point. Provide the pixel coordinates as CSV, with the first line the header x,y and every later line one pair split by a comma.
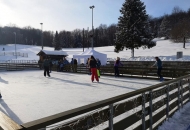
x,y
165,49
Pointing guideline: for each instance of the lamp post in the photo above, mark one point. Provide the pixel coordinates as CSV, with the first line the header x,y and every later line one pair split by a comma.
x,y
91,7
42,35
15,44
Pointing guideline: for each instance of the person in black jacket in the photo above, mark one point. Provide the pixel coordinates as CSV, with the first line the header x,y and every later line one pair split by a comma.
x,y
93,65
75,66
46,67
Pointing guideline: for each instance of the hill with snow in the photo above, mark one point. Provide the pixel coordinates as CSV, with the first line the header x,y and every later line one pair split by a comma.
x,y
165,49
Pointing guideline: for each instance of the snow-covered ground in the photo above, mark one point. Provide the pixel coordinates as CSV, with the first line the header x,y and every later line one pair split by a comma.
x,y
179,121
165,49
28,95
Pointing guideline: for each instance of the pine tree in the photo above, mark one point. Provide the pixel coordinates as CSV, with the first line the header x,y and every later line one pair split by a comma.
x,y
56,42
133,28
164,28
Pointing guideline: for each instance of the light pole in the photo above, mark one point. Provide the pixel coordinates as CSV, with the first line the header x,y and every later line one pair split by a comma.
x,y
91,7
15,44
42,35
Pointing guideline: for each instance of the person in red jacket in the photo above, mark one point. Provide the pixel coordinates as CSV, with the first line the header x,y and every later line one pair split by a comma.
x,y
93,67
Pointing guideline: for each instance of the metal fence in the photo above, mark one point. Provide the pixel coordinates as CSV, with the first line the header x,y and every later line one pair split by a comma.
x,y
13,54
19,65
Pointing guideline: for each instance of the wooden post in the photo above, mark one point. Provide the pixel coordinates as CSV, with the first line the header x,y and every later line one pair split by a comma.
x,y
167,102
143,112
111,117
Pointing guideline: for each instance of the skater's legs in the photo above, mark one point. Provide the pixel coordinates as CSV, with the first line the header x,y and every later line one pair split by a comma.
x,y
92,76
116,71
45,69
95,74
159,72
48,71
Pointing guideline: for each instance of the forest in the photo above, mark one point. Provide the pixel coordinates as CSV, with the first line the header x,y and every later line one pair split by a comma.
x,y
174,26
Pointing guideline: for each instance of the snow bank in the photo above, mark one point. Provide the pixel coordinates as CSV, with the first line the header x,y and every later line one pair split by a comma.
x,y
179,121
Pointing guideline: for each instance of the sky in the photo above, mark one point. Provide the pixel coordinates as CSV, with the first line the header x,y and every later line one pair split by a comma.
x,y
57,15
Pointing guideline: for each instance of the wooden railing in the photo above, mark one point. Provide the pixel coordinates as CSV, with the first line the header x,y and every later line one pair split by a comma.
x,y
148,63
134,71
141,109
130,71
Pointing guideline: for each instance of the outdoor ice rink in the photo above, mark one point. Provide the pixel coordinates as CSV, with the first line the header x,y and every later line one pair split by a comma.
x,y
28,95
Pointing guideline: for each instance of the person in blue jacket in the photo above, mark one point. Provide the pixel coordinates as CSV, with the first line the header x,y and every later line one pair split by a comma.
x,y
158,63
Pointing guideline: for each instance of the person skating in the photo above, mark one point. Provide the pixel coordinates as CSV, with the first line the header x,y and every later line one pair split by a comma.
x,y
117,64
158,63
46,65
93,65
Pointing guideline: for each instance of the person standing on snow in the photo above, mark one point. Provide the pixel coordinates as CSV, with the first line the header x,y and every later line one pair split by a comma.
x,y
158,63
46,65
93,65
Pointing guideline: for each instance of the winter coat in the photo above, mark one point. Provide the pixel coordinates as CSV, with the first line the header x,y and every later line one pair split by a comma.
x,y
93,63
98,64
46,63
159,63
117,63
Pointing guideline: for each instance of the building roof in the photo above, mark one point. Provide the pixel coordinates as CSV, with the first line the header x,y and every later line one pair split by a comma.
x,y
53,53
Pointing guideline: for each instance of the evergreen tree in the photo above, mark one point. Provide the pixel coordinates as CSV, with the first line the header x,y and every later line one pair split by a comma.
x,y
164,28
133,28
56,42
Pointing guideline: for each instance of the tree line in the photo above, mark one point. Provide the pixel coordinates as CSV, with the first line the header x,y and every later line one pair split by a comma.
x,y
175,26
